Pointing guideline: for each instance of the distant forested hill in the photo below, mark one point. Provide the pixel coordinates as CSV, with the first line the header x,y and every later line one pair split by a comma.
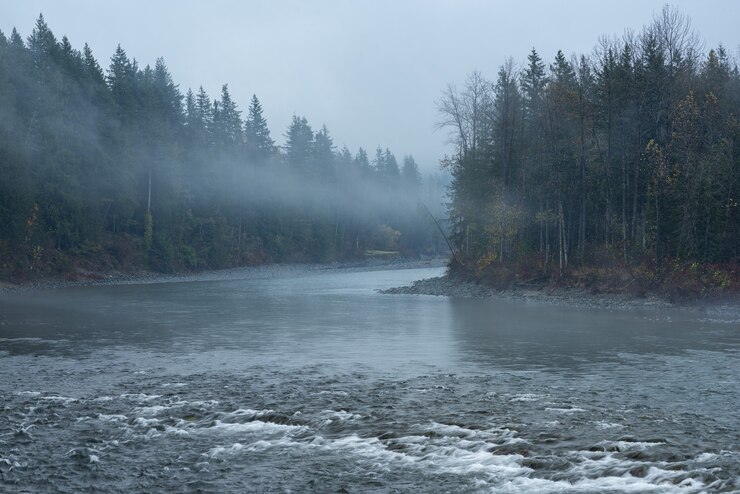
x,y
118,169
627,159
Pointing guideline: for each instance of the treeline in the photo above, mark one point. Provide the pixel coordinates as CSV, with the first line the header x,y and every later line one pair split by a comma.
x,y
625,157
119,164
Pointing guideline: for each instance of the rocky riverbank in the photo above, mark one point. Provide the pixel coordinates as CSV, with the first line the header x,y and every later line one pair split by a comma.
x,y
449,286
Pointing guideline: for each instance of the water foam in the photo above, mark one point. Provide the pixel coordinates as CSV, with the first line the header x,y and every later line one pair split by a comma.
x,y
565,410
254,426
525,397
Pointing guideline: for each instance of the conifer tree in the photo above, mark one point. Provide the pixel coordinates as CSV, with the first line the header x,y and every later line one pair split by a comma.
x,y
323,153
299,142
122,81
391,170
227,121
362,162
260,146
410,173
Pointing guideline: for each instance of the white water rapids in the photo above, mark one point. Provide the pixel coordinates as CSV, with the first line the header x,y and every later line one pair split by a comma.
x,y
313,381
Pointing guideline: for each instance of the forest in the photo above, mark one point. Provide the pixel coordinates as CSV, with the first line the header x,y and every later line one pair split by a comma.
x,y
622,163
117,169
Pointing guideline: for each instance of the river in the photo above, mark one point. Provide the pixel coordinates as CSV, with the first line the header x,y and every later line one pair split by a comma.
x,y
310,380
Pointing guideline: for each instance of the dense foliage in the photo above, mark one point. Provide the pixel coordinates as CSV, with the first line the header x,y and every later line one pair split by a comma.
x,y
118,166
627,157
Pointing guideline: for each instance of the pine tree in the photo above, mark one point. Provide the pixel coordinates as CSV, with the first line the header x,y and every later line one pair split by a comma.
x,y
323,153
344,165
259,145
410,174
168,98
362,162
391,170
203,118
533,86
504,128
16,41
122,81
533,129
227,121
42,45
299,142
92,67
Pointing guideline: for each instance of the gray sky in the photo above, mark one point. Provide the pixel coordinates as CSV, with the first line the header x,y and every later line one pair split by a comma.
x,y
370,70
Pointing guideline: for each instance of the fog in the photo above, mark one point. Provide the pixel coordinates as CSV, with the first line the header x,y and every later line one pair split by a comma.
x,y
112,164
101,144
339,246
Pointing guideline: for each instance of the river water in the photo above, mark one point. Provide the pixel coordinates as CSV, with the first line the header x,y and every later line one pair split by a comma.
x,y
309,380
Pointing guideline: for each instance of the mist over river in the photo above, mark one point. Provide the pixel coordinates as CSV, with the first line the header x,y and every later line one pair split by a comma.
x,y
306,379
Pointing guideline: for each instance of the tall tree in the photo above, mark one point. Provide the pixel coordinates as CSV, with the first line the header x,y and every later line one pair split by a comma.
x,y
259,145
410,174
227,121
323,153
299,142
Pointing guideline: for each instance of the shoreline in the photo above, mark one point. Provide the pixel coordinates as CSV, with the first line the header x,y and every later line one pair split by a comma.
x,y
86,278
442,286
447,286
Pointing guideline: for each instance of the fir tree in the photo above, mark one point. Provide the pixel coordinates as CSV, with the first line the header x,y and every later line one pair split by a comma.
x,y
259,145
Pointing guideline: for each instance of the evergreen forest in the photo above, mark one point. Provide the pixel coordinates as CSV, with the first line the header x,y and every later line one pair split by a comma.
x,y
116,168
624,162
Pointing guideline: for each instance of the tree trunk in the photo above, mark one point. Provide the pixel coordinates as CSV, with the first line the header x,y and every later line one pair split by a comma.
x,y
657,230
582,217
624,208
560,249
149,193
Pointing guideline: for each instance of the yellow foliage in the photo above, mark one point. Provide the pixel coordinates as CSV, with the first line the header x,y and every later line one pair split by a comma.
x,y
486,261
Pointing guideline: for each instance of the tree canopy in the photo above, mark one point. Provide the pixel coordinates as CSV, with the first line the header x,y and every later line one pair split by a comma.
x,y
626,157
117,169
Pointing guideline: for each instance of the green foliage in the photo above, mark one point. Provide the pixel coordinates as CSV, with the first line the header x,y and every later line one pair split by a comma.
x,y
299,141
148,230
89,157
621,159
259,145
162,254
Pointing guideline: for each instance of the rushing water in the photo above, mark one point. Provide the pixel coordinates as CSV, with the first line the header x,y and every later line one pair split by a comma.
x,y
310,380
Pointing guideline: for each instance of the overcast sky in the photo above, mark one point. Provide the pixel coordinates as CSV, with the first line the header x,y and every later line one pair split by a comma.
x,y
370,70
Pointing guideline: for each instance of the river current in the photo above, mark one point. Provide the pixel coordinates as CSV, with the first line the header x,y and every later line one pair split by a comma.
x,y
307,379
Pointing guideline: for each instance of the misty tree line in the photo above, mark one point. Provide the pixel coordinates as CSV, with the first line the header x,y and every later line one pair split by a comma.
x,y
120,164
625,157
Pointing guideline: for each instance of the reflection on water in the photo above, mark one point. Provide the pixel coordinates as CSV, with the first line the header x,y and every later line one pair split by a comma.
x,y
313,380
535,334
